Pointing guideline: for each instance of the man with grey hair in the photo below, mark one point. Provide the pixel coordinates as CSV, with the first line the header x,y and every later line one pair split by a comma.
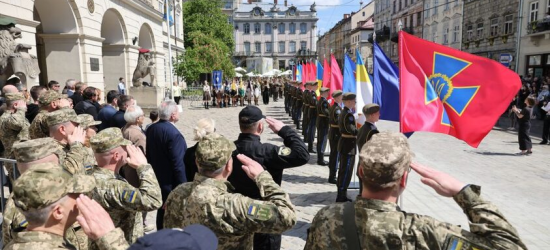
x,y
165,149
69,87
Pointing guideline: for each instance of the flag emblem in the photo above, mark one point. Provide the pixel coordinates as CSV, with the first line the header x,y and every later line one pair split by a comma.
x,y
439,85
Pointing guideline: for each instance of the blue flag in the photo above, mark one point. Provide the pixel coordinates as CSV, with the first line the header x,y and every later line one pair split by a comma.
x,y
217,78
349,84
167,16
386,85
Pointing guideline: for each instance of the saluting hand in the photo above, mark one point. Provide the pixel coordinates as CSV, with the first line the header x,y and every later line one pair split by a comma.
x,y
442,183
250,167
95,221
136,157
78,135
274,124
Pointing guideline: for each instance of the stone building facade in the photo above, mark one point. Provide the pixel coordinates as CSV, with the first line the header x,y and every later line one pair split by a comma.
x,y
409,13
490,29
534,50
275,30
383,24
336,41
95,41
443,22
362,27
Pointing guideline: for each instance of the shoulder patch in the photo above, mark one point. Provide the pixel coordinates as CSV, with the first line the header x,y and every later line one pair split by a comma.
x,y
454,242
351,118
129,196
284,151
338,111
259,212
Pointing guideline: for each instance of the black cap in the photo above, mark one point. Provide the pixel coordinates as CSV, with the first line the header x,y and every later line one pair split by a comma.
x,y
250,114
193,237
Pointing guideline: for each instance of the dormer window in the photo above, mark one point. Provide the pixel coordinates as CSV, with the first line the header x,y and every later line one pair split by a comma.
x,y
292,11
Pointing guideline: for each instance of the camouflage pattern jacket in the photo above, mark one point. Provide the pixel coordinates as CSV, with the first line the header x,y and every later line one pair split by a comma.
x,y
123,202
113,240
14,127
39,128
233,217
73,157
384,226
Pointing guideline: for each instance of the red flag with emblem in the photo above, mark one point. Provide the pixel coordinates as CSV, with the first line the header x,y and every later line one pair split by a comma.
x,y
448,91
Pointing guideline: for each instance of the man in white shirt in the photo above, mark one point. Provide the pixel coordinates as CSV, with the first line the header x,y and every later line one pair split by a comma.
x,y
121,86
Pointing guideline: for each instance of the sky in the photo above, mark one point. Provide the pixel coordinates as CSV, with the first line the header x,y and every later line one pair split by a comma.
x,y
329,12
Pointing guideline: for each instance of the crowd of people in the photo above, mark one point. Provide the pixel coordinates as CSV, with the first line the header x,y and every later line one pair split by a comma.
x,y
88,174
239,93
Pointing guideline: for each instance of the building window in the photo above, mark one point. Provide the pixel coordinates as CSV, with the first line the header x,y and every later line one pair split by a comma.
x,y
406,3
268,28
303,28
257,28
427,8
436,3
418,18
534,12
303,45
455,33
247,28
446,36
411,22
508,22
363,13
257,47
281,28
282,64
548,8
247,47
479,31
494,27
400,5
161,7
292,28
470,31
230,19
268,47
228,4
292,47
394,6
282,46
446,4
178,23
434,34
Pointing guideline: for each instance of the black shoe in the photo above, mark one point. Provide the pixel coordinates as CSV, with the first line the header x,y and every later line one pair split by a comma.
x,y
332,180
543,142
343,199
322,163
312,151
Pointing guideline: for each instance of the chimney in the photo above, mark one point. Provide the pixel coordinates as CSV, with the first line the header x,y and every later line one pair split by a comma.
x,y
275,1
286,3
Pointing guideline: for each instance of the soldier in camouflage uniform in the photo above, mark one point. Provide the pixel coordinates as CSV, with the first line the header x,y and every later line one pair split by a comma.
x,y
233,217
89,125
14,126
28,154
46,195
334,135
63,128
49,101
378,223
123,202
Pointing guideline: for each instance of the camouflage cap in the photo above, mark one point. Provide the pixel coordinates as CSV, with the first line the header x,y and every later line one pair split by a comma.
x,y
61,116
46,183
370,108
214,151
108,139
336,93
33,150
384,159
47,97
12,97
87,120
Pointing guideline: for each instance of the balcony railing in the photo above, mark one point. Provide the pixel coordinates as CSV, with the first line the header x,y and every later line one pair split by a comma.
x,y
395,37
382,34
538,26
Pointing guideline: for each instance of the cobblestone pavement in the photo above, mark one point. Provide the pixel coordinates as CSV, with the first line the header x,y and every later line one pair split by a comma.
x,y
518,185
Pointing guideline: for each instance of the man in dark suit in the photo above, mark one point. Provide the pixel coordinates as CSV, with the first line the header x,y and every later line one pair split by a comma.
x,y
273,158
87,105
165,150
77,96
117,120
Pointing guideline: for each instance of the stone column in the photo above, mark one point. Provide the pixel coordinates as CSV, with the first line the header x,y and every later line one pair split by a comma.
x,y
275,45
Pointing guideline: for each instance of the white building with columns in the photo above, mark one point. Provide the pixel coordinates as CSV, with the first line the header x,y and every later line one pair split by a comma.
x,y
95,41
274,29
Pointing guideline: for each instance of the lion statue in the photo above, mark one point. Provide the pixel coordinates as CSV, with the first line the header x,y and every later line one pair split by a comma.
x,y
15,58
145,66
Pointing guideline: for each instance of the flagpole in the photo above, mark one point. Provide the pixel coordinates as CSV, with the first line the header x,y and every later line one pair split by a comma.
x,y
169,49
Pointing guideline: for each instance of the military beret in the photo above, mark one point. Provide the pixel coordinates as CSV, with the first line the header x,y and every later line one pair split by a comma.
x,y
336,93
311,83
46,183
12,97
370,108
61,116
33,150
323,89
384,159
87,120
349,96
108,139
47,97
213,152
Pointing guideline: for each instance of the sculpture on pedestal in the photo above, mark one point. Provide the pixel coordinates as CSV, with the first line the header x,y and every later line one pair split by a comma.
x,y
15,58
145,66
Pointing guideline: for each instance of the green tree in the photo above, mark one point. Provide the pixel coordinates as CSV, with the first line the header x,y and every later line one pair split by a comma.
x,y
208,39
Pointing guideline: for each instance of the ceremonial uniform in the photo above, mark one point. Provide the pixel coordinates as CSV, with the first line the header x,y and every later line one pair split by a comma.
x,y
312,121
292,102
305,113
322,125
286,96
234,218
334,137
379,224
298,107
124,202
347,148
